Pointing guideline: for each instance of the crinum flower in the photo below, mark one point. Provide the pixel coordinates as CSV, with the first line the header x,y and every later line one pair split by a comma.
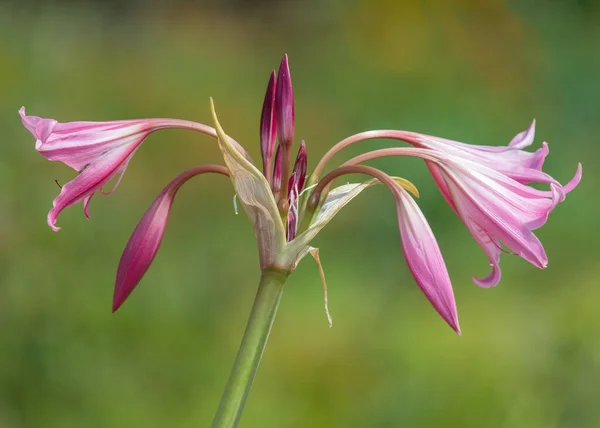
x,y
486,186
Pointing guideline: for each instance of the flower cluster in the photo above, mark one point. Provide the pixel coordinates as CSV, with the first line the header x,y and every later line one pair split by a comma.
x,y
486,186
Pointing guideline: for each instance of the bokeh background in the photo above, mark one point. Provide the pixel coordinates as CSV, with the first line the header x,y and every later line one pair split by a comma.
x,y
475,71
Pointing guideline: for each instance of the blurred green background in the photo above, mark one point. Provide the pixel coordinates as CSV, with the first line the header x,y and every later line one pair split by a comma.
x,y
474,71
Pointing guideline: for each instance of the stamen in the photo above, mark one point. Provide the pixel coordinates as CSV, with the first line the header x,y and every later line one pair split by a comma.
x,y
307,189
58,184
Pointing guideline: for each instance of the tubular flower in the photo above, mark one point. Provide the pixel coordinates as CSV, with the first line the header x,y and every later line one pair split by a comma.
x,y
498,209
98,151
485,186
495,206
148,234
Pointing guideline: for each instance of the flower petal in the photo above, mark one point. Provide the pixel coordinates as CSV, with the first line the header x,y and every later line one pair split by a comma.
x,y
78,144
89,181
424,259
525,138
495,217
148,235
255,195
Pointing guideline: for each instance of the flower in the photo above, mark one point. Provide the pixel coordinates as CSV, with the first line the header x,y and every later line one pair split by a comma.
x,y
486,187
98,151
499,209
148,234
495,205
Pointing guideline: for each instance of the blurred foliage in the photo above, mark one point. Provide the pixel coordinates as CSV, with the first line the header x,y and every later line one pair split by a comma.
x,y
476,71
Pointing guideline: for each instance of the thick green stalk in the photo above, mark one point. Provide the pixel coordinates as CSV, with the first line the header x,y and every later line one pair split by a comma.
x,y
253,344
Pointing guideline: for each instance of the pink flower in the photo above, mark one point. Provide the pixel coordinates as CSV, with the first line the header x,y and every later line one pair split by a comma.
x,y
148,235
499,209
98,151
496,208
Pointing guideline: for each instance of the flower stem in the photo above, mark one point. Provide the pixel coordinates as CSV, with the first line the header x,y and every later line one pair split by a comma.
x,y
253,344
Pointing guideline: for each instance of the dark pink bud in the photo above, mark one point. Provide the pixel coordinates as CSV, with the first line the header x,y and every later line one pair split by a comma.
x,y
277,170
284,104
145,241
268,125
295,184
299,168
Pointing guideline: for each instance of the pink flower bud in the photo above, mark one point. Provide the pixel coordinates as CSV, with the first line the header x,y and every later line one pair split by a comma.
x,y
300,167
277,170
284,104
148,235
268,126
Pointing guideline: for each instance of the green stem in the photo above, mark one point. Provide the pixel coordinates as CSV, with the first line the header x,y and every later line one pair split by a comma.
x,y
253,344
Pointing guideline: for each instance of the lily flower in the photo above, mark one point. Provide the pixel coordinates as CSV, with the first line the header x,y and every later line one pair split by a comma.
x,y
98,151
485,186
495,207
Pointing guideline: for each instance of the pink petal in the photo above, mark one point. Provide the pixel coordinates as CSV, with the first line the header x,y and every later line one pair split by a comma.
x,y
425,260
441,183
574,182
89,181
493,217
524,138
511,160
78,144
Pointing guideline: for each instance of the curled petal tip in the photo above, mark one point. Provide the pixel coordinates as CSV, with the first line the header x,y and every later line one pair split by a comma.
x,y
574,182
491,280
86,207
29,122
524,138
52,215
